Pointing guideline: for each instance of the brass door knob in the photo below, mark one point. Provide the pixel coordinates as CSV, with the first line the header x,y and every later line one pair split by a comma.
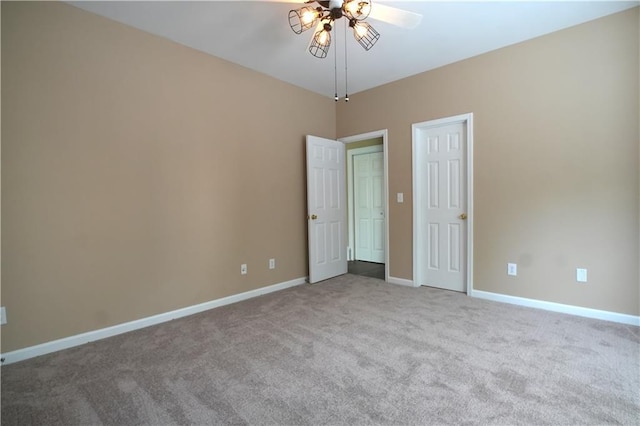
x,y
463,216
314,217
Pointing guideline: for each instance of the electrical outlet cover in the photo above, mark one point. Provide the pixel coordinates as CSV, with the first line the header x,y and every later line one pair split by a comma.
x,y
581,275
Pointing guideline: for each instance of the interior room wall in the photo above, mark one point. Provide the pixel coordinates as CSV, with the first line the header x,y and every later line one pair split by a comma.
x,y
556,139
138,174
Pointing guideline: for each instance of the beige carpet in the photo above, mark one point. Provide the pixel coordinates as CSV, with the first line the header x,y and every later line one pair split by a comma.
x,y
351,350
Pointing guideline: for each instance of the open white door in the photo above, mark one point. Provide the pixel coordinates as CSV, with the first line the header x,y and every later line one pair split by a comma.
x,y
326,208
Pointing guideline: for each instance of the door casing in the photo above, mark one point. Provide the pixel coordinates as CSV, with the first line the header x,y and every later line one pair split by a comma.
x,y
416,130
384,135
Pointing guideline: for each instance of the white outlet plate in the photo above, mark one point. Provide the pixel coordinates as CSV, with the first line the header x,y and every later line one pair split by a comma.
x,y
581,275
3,316
512,269
243,269
272,264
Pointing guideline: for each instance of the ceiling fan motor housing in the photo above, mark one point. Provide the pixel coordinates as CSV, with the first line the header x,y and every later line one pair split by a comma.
x,y
335,4
334,7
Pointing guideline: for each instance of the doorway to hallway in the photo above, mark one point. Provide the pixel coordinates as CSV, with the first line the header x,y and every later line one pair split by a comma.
x,y
367,269
367,180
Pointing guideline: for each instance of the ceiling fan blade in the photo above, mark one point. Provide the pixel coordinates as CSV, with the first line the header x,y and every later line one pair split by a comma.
x,y
395,16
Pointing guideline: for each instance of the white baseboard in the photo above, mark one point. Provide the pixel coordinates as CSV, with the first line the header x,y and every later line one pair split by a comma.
x,y
400,281
91,336
558,307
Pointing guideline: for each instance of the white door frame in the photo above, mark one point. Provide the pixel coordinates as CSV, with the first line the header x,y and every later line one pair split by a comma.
x,y
416,130
351,191
384,135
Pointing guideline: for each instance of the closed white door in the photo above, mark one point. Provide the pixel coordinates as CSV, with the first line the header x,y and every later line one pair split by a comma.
x,y
327,208
441,193
368,188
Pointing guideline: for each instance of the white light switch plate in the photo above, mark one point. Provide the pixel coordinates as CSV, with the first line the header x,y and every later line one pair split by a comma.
x,y
400,197
3,316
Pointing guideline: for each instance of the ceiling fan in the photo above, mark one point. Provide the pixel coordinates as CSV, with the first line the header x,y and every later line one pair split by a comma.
x,y
322,15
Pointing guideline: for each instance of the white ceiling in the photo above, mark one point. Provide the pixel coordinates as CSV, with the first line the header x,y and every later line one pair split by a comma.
x,y
256,34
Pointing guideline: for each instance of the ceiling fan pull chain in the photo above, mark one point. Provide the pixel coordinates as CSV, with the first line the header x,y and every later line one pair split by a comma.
x,y
346,91
335,71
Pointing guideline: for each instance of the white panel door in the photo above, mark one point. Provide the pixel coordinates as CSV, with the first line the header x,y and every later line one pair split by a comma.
x,y
368,188
327,208
441,182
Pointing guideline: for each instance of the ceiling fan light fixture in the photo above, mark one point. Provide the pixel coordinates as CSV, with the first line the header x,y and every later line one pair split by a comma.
x,y
302,19
364,33
357,9
355,13
321,42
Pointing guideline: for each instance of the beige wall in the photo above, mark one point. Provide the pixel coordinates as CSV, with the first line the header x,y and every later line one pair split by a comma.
x,y
138,174
555,162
